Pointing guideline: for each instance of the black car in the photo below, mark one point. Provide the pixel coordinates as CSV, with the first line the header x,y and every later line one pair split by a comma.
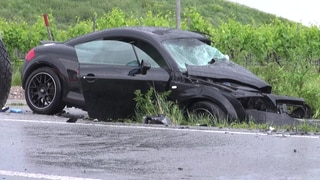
x,y
100,71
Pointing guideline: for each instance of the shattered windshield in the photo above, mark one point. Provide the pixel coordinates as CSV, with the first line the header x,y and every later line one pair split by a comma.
x,y
193,52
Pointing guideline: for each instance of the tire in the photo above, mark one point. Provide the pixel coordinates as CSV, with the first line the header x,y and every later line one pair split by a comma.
x,y
5,75
207,109
43,92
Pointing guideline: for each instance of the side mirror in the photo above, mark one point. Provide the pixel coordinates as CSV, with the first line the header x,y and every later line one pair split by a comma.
x,y
145,66
142,69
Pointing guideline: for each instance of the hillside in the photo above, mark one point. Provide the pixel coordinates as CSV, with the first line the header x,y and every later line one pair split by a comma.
x,y
66,12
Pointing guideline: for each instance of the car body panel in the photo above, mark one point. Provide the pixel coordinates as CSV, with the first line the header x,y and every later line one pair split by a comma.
x,y
63,60
230,72
187,94
109,90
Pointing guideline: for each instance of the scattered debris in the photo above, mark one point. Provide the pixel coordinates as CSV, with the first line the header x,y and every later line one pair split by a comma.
x,y
95,120
183,127
15,110
4,109
271,129
12,110
61,113
157,119
72,120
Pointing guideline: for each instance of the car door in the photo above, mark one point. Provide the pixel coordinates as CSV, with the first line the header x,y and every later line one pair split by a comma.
x,y
107,78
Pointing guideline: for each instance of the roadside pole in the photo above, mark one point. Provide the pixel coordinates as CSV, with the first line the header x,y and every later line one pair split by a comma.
x,y
178,10
46,21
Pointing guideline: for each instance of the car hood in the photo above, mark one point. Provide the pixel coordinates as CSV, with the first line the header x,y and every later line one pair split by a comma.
x,y
229,72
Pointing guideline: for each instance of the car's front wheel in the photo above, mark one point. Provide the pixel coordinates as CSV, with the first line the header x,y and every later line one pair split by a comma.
x,y
208,110
43,92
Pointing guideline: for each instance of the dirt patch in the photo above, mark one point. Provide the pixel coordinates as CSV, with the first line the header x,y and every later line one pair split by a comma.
x,y
16,93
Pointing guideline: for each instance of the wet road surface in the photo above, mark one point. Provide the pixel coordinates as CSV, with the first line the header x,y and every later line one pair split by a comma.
x,y
46,147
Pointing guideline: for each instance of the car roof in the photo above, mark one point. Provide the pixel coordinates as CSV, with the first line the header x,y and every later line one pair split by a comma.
x,y
157,33
165,33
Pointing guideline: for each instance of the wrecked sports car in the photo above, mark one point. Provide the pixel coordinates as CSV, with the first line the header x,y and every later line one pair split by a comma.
x,y
99,72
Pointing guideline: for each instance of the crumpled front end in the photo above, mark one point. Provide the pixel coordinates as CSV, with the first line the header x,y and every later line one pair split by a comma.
x,y
273,109
250,95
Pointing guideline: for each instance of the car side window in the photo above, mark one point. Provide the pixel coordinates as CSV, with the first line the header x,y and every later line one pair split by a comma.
x,y
153,54
112,52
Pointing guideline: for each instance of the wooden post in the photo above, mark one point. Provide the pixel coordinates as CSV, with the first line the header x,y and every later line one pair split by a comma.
x,y
46,21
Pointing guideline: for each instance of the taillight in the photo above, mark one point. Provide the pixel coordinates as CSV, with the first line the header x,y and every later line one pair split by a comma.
x,y
31,54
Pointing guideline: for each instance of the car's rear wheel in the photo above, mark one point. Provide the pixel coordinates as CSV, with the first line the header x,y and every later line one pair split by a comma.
x,y
206,110
43,92
5,75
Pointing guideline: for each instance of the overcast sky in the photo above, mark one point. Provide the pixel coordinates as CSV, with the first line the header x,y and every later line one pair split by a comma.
x,y
304,11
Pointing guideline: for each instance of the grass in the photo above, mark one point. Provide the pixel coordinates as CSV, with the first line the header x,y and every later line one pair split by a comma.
x,y
16,78
16,65
17,104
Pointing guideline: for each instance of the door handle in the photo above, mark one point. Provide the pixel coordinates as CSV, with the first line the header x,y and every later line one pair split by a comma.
x,y
89,77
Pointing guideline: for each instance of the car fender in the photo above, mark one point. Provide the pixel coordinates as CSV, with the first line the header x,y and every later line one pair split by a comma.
x,y
42,61
190,95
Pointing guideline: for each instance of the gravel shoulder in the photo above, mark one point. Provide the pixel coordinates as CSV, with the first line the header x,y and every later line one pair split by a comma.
x,y
16,93
16,98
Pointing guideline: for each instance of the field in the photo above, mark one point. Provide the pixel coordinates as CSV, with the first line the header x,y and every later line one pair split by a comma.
x,y
68,12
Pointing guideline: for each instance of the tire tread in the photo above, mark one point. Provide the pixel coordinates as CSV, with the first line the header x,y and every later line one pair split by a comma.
x,y
5,75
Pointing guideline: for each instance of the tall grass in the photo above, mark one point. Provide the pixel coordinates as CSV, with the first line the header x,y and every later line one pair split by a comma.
x,y
16,78
152,103
16,72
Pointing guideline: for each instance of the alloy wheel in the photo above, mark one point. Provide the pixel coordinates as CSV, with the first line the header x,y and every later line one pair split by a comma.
x,y
42,90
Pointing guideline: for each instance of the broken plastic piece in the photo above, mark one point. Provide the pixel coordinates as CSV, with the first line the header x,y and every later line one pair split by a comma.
x,y
15,110
157,119
72,120
4,109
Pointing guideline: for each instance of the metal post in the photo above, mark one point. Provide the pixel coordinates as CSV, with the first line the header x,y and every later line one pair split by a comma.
x,y
94,24
178,10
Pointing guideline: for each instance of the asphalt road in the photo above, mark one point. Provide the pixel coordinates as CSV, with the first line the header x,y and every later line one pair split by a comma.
x,y
47,147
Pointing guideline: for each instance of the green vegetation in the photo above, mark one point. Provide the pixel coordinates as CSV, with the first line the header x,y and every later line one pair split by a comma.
x,y
17,104
69,12
153,103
